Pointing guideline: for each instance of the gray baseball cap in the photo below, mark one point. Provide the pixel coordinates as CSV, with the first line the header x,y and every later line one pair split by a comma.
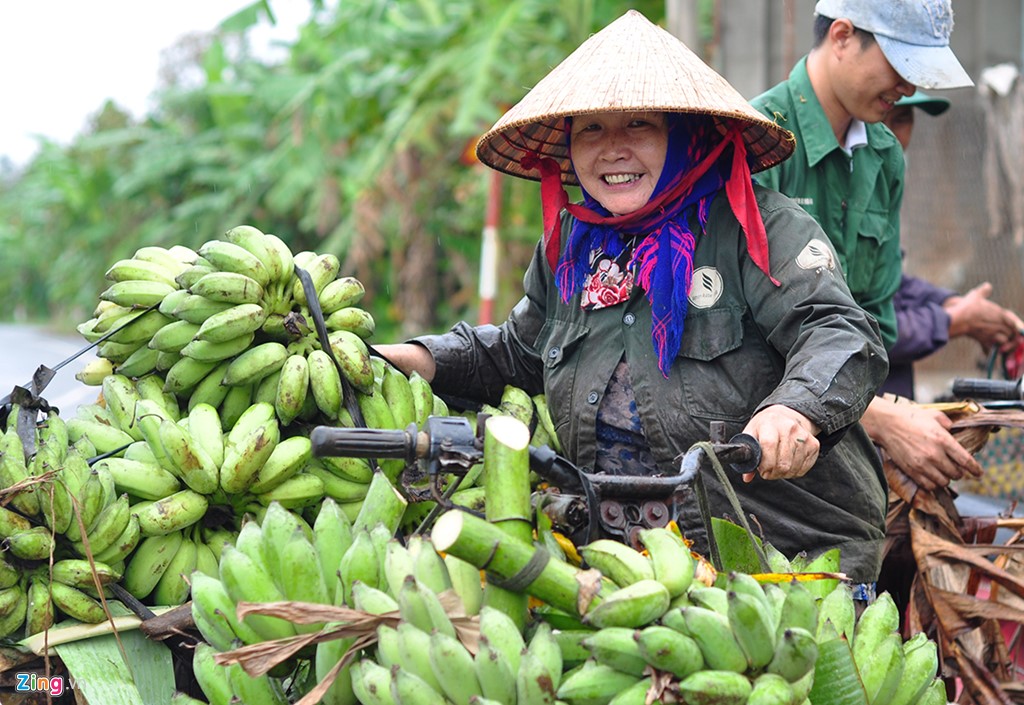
x,y
913,35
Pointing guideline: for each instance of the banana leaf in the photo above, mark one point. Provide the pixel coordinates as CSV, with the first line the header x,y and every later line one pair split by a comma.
x,y
98,671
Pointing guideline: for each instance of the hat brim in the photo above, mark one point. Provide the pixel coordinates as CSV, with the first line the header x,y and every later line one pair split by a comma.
x,y
632,65
924,66
930,104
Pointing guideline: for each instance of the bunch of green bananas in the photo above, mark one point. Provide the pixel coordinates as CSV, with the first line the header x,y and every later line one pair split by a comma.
x,y
61,508
229,324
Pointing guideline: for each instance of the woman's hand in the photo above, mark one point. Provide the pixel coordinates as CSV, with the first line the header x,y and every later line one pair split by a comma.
x,y
408,357
789,447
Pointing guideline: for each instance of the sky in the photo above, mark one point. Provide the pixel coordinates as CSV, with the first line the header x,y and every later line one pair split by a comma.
x,y
60,60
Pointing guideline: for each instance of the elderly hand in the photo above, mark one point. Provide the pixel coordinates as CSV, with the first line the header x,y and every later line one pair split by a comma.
x,y
974,315
919,443
789,447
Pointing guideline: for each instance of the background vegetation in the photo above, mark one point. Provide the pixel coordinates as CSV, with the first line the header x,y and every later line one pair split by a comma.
x,y
356,144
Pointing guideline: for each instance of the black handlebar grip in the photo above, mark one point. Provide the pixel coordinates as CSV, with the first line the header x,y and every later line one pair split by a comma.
x,y
979,388
335,442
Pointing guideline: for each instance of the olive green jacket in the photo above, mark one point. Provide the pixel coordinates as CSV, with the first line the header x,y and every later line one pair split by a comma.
x,y
747,344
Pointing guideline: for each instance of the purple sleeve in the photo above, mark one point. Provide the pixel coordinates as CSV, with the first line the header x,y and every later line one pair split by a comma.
x,y
922,324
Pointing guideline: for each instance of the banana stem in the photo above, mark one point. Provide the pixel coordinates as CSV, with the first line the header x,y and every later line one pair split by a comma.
x,y
506,473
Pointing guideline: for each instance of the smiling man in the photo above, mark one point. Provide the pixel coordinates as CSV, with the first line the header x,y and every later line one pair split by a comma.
x,y
847,171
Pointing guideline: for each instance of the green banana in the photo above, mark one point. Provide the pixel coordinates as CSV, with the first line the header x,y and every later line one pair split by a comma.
x,y
230,257
353,319
172,513
622,564
173,586
140,479
39,612
332,536
878,620
35,543
428,566
196,468
413,646
340,293
503,634
534,681
497,681
139,363
185,375
149,562
594,683
256,363
667,650
204,425
454,667
78,572
123,544
882,670
354,359
466,582
292,387
288,458
711,597
360,563
324,383
371,683
247,580
236,402
93,372
920,668
795,654
173,259
297,492
76,604
720,687
753,627
322,269
616,647
213,611
714,635
173,336
228,287
670,558
837,609
131,269
232,323
262,689
635,605
245,455
210,675
196,309
398,394
137,293
422,397
770,689
206,351
210,390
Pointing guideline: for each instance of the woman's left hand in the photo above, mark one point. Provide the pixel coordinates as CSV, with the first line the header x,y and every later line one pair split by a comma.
x,y
789,447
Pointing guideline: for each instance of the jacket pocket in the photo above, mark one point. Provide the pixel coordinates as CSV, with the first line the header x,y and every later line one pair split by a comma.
x,y
873,232
722,379
559,343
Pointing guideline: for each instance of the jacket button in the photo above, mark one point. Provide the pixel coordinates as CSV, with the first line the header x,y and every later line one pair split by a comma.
x,y
553,353
629,319
593,397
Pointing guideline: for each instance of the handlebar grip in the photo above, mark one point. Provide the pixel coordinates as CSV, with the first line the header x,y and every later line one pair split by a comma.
x,y
969,387
361,442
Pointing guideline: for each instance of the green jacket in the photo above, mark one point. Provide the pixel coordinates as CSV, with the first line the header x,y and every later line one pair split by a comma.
x,y
859,208
747,344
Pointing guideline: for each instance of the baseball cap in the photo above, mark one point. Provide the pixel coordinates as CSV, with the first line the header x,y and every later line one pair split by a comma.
x,y
913,35
933,105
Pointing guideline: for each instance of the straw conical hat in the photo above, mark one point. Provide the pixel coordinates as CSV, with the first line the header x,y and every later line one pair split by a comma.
x,y
630,65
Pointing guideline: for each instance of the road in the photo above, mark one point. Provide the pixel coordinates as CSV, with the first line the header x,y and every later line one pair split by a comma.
x,y
27,347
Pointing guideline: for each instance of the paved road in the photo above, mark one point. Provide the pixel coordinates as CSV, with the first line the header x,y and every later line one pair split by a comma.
x,y
24,348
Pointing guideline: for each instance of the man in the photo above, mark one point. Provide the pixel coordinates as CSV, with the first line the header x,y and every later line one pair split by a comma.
x,y
928,316
847,171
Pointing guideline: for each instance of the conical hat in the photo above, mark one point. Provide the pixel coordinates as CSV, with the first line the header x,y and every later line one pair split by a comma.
x,y
632,65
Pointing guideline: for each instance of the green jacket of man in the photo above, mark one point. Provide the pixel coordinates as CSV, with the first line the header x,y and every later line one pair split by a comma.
x,y
747,344
856,199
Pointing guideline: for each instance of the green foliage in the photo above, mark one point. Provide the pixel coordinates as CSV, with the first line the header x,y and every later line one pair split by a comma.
x,y
351,145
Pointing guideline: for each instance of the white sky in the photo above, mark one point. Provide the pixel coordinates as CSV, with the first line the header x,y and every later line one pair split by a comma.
x,y
61,59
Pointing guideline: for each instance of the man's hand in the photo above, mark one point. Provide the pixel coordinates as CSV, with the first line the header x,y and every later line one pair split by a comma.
x,y
919,442
974,315
789,447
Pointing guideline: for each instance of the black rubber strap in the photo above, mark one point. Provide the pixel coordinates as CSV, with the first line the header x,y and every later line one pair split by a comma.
x,y
526,575
348,393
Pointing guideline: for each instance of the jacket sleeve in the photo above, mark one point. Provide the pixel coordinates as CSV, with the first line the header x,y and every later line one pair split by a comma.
x,y
476,362
922,324
833,352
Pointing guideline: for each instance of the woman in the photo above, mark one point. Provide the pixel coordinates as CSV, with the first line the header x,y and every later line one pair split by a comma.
x,y
655,307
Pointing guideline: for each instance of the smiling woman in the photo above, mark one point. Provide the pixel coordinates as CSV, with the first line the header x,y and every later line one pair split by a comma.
x,y
72,62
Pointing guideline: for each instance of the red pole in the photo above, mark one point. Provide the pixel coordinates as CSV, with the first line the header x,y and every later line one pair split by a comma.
x,y
489,250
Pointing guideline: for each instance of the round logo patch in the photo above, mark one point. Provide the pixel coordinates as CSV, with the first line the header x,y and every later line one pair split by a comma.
x,y
705,288
816,255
